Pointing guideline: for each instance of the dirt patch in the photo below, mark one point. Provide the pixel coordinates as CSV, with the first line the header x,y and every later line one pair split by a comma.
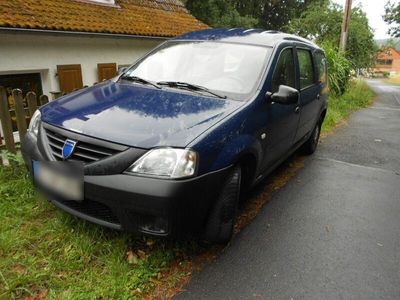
x,y
174,279
20,269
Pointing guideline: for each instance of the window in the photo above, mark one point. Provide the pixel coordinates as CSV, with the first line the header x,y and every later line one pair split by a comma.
x,y
387,62
284,73
106,71
230,69
70,77
306,68
320,61
25,82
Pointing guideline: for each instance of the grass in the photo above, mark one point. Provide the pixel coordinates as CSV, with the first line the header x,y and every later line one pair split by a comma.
x,y
357,96
45,253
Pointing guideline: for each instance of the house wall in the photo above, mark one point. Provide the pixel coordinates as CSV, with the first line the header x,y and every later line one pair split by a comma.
x,y
389,54
393,68
29,52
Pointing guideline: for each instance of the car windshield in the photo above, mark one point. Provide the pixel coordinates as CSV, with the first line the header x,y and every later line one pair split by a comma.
x,y
228,69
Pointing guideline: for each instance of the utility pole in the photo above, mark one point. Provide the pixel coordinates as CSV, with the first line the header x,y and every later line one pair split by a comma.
x,y
345,25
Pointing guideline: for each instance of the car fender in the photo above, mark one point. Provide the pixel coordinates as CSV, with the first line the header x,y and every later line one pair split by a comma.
x,y
237,148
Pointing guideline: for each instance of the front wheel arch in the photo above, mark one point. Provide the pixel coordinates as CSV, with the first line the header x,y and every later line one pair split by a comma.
x,y
221,220
248,163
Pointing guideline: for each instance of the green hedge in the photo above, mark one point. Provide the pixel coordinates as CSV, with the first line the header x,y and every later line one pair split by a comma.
x,y
339,69
358,95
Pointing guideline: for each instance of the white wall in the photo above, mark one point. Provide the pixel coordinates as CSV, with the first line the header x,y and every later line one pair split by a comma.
x,y
37,52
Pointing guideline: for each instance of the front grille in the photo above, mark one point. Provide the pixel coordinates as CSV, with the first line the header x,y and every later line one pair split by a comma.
x,y
85,152
93,209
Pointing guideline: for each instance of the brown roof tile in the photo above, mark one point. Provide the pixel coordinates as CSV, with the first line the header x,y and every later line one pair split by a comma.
x,y
162,18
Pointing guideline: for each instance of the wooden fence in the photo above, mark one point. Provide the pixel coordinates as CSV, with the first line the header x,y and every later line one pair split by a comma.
x,y
17,116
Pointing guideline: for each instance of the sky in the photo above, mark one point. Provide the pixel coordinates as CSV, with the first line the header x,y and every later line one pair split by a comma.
x,y
374,10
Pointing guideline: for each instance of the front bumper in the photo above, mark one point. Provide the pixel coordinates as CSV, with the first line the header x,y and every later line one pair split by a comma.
x,y
170,208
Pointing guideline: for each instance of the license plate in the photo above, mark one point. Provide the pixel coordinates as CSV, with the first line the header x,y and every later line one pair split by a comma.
x,y
62,179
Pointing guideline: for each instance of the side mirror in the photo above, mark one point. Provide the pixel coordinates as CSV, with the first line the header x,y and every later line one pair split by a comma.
x,y
286,95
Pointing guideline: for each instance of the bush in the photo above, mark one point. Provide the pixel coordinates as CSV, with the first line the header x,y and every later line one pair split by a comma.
x,y
358,95
339,69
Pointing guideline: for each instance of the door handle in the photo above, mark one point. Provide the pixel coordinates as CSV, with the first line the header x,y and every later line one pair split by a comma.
x,y
297,109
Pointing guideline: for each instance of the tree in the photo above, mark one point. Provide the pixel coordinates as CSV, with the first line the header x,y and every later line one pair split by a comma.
x,y
392,17
219,13
323,24
361,46
319,23
274,14
268,14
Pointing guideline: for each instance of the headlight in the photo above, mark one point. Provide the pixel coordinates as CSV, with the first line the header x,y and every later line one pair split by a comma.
x,y
34,124
166,162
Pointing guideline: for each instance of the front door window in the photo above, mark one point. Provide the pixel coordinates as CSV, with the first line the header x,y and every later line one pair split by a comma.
x,y
284,73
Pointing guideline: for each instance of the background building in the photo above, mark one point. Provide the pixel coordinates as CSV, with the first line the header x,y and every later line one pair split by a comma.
x,y
388,61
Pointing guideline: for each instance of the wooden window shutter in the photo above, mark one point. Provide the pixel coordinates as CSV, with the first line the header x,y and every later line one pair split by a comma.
x,y
106,71
70,77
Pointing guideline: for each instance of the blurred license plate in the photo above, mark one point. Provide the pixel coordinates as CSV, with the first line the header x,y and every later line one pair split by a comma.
x,y
63,179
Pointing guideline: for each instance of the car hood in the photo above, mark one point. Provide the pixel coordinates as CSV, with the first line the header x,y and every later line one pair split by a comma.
x,y
136,115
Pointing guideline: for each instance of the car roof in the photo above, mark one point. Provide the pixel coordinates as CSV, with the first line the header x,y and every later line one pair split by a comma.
x,y
269,38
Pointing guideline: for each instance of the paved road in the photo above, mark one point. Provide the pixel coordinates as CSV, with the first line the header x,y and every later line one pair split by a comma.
x,y
333,232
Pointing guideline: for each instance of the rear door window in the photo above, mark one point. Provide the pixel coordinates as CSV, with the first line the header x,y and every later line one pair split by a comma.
x,y
307,76
321,64
284,73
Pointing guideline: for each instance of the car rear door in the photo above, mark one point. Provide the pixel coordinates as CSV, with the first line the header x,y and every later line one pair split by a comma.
x,y
309,92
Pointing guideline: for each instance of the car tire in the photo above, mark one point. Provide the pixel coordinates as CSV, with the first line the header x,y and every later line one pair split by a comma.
x,y
311,144
220,225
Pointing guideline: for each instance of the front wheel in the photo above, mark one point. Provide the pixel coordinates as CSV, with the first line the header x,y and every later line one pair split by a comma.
x,y
221,221
310,146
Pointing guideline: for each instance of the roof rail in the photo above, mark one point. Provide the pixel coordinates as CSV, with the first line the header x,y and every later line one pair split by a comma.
x,y
248,30
270,31
298,39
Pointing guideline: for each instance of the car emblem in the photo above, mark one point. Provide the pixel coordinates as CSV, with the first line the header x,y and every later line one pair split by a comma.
x,y
68,148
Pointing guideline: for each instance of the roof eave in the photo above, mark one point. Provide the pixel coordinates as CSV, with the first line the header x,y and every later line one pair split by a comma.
x,y
83,33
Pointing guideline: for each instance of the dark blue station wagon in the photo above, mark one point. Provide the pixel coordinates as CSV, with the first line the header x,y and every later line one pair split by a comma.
x,y
166,147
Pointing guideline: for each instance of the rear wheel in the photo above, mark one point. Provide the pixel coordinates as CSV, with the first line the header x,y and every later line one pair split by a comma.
x,y
310,146
221,221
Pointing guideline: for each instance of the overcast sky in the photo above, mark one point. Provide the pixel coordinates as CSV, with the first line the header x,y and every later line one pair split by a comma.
x,y
374,9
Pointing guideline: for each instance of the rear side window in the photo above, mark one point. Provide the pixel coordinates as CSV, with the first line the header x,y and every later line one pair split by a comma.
x,y
320,61
307,75
284,73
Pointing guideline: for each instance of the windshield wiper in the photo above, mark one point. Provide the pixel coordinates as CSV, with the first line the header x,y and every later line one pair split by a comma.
x,y
140,80
189,86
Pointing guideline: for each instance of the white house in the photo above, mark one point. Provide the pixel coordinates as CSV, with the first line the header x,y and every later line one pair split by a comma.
x,y
61,45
